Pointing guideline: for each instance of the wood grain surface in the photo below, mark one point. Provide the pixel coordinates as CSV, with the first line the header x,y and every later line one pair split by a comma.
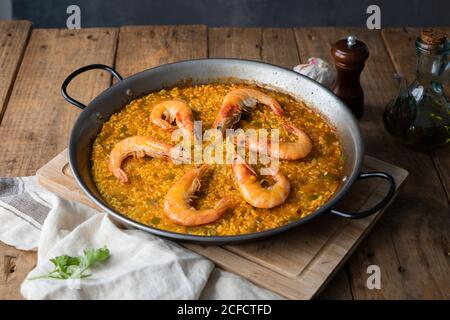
x,y
13,40
37,121
143,47
235,43
411,242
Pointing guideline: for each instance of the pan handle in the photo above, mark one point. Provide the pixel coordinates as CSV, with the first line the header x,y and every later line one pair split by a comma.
x,y
79,71
379,205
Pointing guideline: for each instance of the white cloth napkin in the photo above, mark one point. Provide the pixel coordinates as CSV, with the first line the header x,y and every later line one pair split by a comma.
x,y
141,266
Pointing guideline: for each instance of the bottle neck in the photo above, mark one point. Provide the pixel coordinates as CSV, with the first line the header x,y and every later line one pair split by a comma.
x,y
429,67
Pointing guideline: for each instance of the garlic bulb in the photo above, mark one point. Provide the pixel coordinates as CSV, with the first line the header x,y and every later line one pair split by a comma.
x,y
318,70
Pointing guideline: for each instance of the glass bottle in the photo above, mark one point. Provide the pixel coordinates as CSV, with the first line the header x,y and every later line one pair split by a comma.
x,y
420,115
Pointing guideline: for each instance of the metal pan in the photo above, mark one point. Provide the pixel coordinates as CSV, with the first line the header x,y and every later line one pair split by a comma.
x,y
317,97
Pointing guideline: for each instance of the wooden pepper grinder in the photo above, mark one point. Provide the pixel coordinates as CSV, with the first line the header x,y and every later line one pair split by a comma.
x,y
349,57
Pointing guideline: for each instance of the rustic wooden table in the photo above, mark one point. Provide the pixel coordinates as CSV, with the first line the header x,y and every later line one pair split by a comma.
x,y
411,243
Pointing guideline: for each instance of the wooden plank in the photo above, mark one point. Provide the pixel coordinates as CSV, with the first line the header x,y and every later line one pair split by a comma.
x,y
278,47
37,120
143,47
400,44
411,242
242,43
338,288
14,264
14,267
13,41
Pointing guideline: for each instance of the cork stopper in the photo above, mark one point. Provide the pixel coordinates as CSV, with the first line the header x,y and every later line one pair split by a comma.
x,y
432,36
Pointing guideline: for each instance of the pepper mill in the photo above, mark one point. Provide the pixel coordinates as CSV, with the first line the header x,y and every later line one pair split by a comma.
x,y
349,57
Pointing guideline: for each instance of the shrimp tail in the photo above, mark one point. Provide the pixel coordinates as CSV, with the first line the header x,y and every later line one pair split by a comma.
x,y
120,174
196,185
202,170
165,125
276,108
222,206
241,161
252,171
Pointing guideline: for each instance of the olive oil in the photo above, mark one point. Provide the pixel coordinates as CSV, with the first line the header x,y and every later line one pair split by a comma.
x,y
419,116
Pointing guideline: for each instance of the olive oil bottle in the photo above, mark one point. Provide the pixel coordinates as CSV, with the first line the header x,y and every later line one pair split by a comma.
x,y
420,115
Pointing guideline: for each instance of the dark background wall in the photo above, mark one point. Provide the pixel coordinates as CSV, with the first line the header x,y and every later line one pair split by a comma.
x,y
281,13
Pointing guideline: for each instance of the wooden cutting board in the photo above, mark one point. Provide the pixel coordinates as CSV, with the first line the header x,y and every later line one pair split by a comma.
x,y
295,264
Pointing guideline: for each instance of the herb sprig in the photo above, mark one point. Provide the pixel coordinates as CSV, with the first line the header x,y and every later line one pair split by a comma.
x,y
68,267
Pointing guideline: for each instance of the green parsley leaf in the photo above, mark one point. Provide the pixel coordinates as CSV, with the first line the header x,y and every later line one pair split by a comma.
x,y
68,267
92,256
